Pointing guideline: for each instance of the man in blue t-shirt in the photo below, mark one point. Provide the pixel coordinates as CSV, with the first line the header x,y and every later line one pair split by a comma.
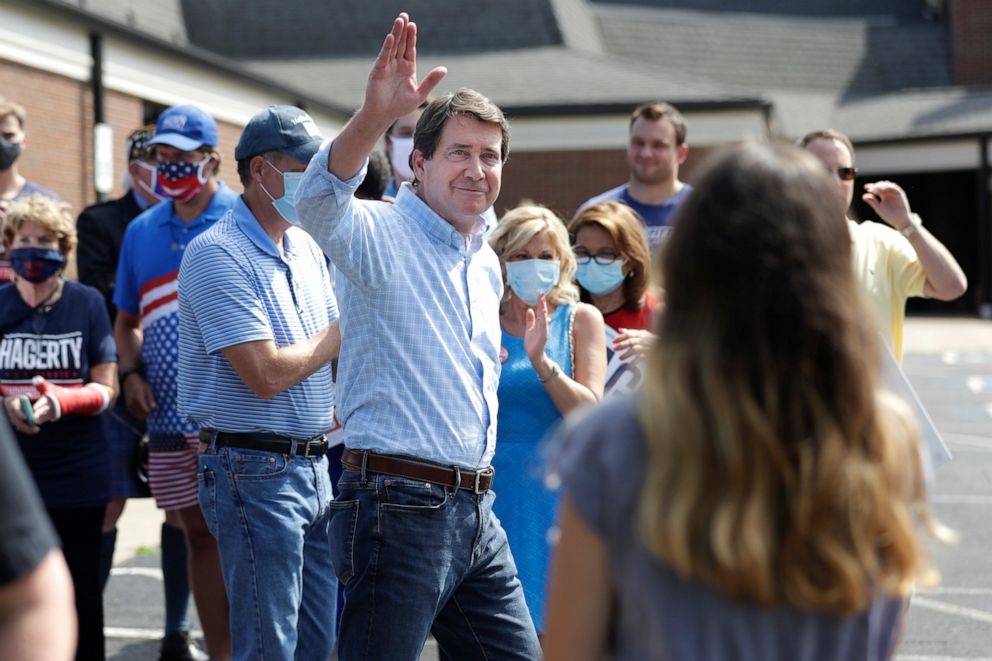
x,y
656,150
257,331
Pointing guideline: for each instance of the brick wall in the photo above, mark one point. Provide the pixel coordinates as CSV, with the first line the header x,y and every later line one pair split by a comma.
x,y
54,151
59,150
564,180
971,41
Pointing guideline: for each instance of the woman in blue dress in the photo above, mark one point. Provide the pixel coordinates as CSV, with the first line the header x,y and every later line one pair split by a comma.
x,y
554,361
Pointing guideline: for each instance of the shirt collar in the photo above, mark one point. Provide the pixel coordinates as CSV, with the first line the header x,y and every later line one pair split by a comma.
x,y
140,201
434,225
219,205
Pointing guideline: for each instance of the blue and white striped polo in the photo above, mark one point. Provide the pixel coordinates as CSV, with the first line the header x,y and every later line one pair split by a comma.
x,y
234,287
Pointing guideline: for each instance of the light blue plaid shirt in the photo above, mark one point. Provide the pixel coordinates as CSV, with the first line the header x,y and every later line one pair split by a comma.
x,y
420,329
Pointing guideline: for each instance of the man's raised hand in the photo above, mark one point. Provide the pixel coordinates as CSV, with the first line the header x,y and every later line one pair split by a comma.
x,y
393,89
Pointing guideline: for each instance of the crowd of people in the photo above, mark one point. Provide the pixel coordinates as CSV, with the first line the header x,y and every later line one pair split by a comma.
x,y
748,491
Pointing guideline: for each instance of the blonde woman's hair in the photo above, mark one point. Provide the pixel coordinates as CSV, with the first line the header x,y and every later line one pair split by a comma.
x,y
778,473
53,216
518,226
626,230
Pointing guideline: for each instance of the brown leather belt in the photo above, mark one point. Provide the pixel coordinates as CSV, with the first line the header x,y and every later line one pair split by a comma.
x,y
478,481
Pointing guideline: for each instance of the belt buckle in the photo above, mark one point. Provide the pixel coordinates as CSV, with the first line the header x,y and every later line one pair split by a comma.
x,y
488,471
310,444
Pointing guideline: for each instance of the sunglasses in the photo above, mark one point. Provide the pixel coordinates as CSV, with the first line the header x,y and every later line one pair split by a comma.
x,y
846,174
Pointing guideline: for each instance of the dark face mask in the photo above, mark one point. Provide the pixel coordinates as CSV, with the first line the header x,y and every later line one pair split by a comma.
x,y
9,152
36,264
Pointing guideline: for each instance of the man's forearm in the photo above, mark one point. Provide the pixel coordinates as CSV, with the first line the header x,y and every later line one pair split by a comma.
x,y
129,339
945,279
269,370
355,142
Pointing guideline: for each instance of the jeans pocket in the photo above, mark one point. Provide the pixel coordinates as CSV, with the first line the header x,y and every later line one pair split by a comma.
x,y
207,484
342,531
257,465
403,494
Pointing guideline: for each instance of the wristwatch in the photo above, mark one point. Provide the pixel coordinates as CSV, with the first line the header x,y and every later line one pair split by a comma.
x,y
915,222
122,376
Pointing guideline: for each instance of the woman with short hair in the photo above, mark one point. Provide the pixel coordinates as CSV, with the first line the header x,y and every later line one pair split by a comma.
x,y
58,372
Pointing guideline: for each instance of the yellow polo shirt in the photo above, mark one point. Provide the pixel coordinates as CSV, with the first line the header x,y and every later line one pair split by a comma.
x,y
890,272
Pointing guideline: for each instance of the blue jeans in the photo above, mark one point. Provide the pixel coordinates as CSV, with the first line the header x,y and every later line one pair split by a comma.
x,y
418,558
269,513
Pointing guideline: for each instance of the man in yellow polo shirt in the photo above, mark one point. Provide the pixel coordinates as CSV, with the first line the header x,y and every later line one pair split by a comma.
x,y
892,262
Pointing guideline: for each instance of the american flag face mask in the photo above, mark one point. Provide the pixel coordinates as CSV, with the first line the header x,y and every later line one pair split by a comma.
x,y
179,180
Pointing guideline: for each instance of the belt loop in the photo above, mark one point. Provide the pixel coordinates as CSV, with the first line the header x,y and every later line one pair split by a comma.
x,y
365,461
458,478
293,446
212,443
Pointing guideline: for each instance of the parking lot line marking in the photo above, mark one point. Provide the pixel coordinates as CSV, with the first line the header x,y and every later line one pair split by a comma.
x,y
148,572
966,358
962,499
138,633
968,592
951,609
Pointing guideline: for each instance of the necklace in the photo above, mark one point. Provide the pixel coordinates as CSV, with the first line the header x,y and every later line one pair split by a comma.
x,y
40,311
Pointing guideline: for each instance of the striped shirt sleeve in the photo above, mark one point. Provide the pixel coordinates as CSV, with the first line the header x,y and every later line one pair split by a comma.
x,y
223,297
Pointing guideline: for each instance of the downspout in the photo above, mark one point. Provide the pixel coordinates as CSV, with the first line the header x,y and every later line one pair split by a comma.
x,y
984,294
99,114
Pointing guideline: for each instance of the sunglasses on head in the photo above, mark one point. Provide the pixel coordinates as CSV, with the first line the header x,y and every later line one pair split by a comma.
x,y
846,174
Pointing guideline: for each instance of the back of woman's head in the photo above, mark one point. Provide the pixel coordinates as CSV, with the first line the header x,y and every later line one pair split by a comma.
x,y
777,472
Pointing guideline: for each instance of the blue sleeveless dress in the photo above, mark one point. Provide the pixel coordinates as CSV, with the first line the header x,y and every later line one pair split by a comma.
x,y
527,416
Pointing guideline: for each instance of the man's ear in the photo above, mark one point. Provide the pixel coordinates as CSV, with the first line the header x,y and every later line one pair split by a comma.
x,y
417,160
682,151
255,167
213,167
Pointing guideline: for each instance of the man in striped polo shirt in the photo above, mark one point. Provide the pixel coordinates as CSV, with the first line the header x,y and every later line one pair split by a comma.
x,y
258,329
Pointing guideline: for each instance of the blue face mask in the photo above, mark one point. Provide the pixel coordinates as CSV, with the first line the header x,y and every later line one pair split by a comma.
x,y
529,278
286,205
599,279
36,264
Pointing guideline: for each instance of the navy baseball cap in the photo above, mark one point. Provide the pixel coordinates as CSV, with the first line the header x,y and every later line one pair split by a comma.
x,y
285,129
186,128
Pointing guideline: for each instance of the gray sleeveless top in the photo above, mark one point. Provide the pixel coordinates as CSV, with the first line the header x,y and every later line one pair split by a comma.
x,y
661,616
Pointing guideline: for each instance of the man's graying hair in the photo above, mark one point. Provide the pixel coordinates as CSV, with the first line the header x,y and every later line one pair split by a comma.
x,y
463,102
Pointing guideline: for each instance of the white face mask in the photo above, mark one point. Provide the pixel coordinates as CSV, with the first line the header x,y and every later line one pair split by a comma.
x,y
399,155
153,192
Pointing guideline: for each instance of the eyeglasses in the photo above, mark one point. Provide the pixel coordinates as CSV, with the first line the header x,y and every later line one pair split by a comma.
x,y
846,174
603,259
